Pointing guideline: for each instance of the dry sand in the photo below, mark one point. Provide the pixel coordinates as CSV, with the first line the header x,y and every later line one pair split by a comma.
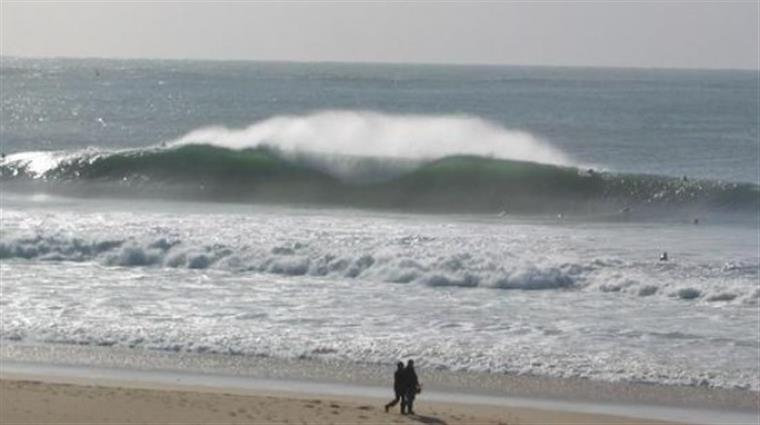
x,y
25,401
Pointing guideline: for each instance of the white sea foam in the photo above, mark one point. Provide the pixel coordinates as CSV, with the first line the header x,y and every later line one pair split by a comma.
x,y
468,294
435,261
380,135
36,163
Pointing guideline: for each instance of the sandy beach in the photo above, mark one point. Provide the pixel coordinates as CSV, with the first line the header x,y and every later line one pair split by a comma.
x,y
30,401
65,384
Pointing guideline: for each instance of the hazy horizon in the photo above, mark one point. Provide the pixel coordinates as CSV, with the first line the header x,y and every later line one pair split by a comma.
x,y
649,35
345,62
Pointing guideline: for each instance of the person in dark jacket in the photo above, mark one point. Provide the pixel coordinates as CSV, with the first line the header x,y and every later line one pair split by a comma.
x,y
398,385
411,388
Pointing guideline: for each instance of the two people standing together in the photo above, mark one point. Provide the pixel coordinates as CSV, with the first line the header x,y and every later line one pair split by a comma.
x,y
406,386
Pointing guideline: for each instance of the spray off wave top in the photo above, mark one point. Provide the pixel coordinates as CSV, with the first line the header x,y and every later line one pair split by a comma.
x,y
378,135
366,159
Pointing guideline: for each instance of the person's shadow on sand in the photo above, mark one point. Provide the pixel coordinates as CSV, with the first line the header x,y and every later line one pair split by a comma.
x,y
427,419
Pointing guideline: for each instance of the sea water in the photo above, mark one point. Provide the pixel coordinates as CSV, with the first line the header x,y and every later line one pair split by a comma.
x,y
370,213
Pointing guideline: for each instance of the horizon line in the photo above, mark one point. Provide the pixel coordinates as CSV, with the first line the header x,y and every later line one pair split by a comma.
x,y
371,62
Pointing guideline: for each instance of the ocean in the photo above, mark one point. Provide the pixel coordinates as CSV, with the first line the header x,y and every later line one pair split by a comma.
x,y
479,219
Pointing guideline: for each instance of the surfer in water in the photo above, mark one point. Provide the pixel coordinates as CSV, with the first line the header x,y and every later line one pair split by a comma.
x,y
664,256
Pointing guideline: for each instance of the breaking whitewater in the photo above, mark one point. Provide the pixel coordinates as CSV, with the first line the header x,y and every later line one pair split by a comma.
x,y
289,239
370,160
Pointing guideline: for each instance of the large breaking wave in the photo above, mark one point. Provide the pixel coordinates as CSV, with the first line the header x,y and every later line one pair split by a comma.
x,y
369,160
451,184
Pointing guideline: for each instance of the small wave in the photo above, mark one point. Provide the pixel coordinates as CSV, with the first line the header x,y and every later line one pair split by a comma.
x,y
722,296
462,270
688,293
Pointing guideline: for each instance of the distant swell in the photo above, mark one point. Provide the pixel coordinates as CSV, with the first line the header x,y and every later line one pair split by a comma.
x,y
451,184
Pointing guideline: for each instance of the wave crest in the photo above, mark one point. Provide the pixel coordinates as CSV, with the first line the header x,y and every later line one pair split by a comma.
x,y
379,135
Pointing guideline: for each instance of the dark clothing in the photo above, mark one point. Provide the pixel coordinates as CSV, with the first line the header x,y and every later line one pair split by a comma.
x,y
410,386
399,396
407,401
398,388
398,381
410,379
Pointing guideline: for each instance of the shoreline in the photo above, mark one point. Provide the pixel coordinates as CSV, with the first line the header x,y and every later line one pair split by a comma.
x,y
286,378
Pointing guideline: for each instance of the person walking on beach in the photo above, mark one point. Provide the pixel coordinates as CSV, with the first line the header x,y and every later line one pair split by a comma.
x,y
398,385
411,388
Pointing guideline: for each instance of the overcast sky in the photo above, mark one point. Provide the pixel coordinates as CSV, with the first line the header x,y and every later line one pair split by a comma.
x,y
690,34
